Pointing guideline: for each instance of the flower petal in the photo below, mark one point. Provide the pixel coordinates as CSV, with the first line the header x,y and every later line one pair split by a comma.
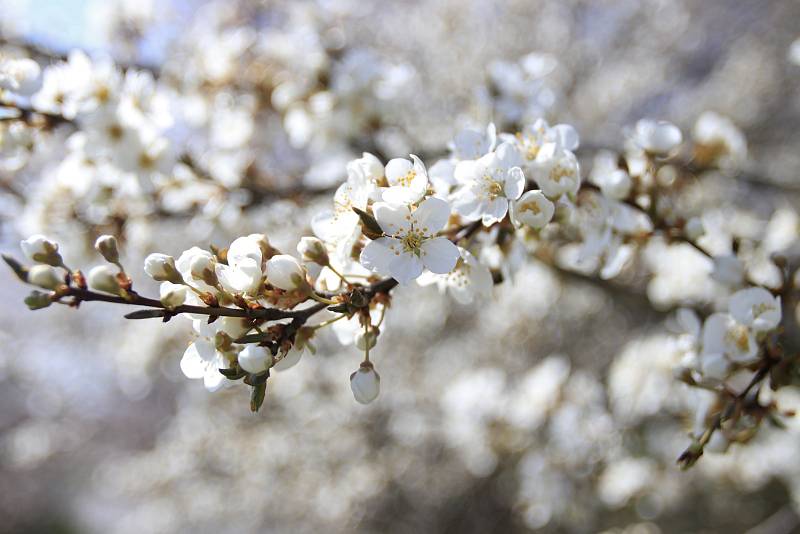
x,y
397,168
392,218
405,267
377,256
515,183
431,215
440,255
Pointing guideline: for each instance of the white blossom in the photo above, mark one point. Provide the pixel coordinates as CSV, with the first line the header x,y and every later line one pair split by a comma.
x,y
756,308
489,184
408,181
410,243
255,359
285,272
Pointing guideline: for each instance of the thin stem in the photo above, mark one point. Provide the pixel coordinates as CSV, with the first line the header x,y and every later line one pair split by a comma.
x,y
323,324
323,300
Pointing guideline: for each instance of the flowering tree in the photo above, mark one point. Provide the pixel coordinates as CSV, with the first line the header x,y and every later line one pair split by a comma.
x,y
133,143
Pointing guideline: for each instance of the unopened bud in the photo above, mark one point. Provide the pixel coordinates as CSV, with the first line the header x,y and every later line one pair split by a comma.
x,y
365,383
102,278
44,276
39,249
38,300
285,272
313,249
106,245
367,340
255,359
172,295
161,268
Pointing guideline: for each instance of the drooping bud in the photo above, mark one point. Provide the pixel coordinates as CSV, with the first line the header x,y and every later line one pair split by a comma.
x,y
313,249
161,268
106,245
38,300
285,272
367,340
255,359
41,250
102,278
172,295
365,383
44,276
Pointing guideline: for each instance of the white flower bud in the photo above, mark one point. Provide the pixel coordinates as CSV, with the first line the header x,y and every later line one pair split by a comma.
x,y
44,276
172,295
313,249
694,228
161,268
533,209
102,278
39,249
204,268
367,339
106,245
617,185
365,383
285,272
657,137
255,359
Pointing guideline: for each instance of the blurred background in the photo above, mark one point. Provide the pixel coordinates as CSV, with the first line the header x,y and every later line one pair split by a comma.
x,y
551,407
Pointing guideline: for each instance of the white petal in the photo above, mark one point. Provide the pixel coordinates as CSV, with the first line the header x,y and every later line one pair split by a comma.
x,y
392,218
515,183
440,255
432,214
397,168
405,267
401,195
192,364
377,256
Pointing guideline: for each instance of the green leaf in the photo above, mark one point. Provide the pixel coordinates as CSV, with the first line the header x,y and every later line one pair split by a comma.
x,y
257,395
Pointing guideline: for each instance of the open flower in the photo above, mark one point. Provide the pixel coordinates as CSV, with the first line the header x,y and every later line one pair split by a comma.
x,y
556,170
411,243
757,308
722,334
408,181
489,184
468,280
243,272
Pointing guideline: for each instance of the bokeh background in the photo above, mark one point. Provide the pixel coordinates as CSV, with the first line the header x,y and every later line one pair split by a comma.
x,y
552,406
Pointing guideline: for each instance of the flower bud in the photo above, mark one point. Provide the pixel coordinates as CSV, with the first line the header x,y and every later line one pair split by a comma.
x,y
203,268
533,209
657,137
365,383
255,359
172,295
38,300
161,268
39,249
102,278
694,228
313,249
44,276
285,272
106,245
368,339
